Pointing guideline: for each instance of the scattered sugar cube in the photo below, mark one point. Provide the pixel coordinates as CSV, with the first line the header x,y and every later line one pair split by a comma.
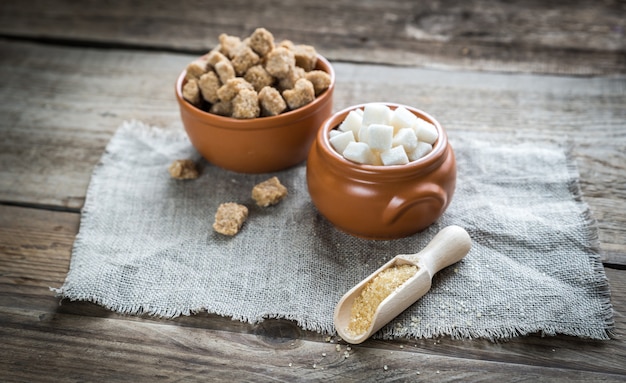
x,y
406,138
379,136
353,122
375,113
229,218
359,152
183,170
269,192
402,118
426,131
394,156
422,149
340,141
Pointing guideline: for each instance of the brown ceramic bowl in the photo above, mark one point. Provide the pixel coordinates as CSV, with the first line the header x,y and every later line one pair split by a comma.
x,y
258,145
380,202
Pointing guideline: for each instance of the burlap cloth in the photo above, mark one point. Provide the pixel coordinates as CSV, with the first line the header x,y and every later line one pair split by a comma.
x,y
146,246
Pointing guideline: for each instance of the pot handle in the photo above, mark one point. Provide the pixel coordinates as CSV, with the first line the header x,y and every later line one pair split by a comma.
x,y
400,203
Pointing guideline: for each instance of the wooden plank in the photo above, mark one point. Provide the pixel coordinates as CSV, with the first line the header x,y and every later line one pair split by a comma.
x,y
61,105
68,341
73,348
60,108
581,38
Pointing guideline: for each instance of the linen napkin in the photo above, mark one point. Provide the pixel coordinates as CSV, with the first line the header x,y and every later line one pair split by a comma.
x,y
146,245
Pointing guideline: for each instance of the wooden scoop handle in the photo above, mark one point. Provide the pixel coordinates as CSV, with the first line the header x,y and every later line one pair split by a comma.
x,y
449,246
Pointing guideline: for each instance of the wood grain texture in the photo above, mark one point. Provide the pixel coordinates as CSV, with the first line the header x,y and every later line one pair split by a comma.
x,y
583,37
505,71
78,341
76,98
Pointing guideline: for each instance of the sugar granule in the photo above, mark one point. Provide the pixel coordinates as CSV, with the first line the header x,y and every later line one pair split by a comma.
x,y
374,292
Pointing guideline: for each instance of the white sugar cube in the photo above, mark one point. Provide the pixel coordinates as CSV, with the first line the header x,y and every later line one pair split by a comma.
x,y
352,122
334,132
394,156
426,131
406,138
363,133
422,149
375,113
401,118
359,152
380,137
341,140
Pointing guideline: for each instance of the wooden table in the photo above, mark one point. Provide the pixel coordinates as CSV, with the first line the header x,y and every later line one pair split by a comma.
x,y
71,72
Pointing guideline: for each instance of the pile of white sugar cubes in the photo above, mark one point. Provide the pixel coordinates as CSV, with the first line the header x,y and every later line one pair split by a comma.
x,y
378,135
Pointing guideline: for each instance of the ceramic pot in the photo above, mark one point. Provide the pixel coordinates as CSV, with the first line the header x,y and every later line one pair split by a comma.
x,y
258,145
380,202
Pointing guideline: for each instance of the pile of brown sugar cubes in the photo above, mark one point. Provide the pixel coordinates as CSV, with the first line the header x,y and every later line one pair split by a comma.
x,y
254,77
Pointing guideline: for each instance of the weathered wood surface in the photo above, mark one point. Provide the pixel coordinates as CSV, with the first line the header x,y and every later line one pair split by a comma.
x,y
84,342
580,37
71,72
77,97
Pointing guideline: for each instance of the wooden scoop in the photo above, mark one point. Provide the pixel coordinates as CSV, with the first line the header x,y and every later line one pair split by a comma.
x,y
449,246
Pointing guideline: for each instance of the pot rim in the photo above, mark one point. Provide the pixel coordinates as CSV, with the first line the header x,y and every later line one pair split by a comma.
x,y
269,122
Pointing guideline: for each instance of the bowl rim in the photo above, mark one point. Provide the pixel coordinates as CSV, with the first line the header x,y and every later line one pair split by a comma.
x,y
424,164
260,122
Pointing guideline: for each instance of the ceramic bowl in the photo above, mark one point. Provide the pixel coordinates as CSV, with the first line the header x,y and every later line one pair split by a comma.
x,y
258,145
380,202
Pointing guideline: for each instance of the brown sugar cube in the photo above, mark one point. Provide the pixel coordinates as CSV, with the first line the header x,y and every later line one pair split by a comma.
x,y
279,62
183,170
191,92
271,102
229,90
229,218
222,108
269,192
286,44
214,57
244,59
259,77
319,79
224,70
306,56
301,94
197,68
229,44
289,81
246,104
262,41
209,83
